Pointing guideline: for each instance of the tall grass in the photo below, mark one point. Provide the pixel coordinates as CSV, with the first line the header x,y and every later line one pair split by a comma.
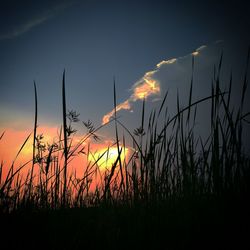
x,y
168,159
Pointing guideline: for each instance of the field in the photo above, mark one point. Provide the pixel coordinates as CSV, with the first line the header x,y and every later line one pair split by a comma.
x,y
176,190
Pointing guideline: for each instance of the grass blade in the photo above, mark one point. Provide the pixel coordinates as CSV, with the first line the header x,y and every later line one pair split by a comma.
x,y
65,138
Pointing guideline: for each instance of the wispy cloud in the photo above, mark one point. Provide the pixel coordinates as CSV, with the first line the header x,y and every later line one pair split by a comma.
x,y
25,27
35,21
125,105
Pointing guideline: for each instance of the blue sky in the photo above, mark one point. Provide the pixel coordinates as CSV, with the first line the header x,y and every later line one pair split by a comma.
x,y
95,41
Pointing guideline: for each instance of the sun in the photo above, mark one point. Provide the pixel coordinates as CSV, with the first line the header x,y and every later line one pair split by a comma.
x,y
106,157
28,149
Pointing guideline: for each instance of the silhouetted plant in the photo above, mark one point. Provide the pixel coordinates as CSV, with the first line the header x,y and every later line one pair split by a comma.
x,y
167,159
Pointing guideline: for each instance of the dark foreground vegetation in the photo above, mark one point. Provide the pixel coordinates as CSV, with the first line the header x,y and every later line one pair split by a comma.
x,y
192,223
176,191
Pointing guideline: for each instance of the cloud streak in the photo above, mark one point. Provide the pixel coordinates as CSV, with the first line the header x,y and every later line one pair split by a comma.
x,y
35,21
26,27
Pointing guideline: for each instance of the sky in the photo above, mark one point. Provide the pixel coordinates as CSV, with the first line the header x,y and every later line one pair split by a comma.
x,y
98,41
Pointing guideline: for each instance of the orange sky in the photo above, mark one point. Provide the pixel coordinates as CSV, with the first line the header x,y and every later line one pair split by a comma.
x,y
13,140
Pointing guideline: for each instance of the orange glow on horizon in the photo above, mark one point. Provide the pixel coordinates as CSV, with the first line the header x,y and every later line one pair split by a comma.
x,y
13,140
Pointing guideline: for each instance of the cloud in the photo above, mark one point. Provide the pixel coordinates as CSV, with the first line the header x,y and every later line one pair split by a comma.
x,y
147,86
142,89
26,27
174,75
166,62
125,105
35,21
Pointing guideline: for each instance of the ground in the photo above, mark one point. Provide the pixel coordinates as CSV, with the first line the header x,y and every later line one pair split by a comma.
x,y
193,223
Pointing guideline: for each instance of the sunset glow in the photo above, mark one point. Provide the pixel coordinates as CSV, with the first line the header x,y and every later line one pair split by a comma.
x,y
14,139
124,124
100,154
145,87
106,157
148,88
